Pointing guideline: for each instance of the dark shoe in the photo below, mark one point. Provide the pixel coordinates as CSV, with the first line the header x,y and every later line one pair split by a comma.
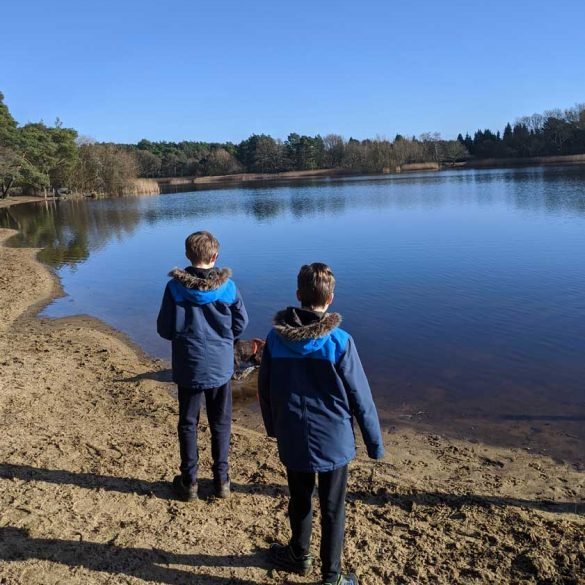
x,y
222,489
347,579
183,491
284,558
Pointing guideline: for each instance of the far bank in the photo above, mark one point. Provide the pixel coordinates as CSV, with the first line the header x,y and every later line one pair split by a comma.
x,y
172,184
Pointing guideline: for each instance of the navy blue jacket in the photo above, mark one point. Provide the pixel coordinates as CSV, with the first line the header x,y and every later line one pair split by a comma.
x,y
202,314
311,385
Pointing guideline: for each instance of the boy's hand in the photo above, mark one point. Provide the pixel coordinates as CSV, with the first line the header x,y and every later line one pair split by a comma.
x,y
376,452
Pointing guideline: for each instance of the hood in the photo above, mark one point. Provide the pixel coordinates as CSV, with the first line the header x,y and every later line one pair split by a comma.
x,y
304,331
201,291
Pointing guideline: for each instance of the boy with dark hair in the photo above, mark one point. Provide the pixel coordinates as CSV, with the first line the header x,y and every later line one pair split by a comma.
x,y
311,383
202,314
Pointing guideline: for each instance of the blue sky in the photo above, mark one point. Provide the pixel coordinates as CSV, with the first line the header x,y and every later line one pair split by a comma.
x,y
224,69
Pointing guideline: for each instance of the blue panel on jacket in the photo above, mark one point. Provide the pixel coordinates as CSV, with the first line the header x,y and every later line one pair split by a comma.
x,y
226,293
329,347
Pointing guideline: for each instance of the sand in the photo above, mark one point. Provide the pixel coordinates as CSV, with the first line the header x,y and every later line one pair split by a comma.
x,y
88,449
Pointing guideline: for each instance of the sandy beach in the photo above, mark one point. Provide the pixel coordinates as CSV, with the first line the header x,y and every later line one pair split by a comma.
x,y
88,449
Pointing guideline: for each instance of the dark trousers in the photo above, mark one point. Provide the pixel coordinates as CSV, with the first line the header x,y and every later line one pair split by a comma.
x,y
218,402
332,490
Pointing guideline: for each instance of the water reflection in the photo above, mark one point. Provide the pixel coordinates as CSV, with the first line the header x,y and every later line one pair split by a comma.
x,y
69,230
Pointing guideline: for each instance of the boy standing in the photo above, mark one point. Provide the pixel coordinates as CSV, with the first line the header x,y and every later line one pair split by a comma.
x,y
202,314
311,383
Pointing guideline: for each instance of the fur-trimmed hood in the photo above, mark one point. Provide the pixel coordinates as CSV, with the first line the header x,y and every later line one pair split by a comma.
x,y
304,331
291,324
216,286
216,278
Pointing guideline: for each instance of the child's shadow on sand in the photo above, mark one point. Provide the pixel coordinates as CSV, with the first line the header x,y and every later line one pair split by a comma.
x,y
144,563
125,485
381,497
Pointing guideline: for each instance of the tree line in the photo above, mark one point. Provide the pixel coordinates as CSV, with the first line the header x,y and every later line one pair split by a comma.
x,y
261,153
36,158
556,132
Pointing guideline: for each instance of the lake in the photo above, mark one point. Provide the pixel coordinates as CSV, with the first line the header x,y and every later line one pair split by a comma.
x,y
464,290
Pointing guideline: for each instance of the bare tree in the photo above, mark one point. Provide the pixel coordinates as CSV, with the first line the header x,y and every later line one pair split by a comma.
x,y
334,147
221,162
454,151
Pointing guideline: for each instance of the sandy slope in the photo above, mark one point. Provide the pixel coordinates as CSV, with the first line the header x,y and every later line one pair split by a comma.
x,y
88,446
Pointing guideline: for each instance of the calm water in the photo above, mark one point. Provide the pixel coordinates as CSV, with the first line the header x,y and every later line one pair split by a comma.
x,y
463,289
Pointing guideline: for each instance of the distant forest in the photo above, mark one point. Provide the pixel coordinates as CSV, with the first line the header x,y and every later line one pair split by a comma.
x,y
36,158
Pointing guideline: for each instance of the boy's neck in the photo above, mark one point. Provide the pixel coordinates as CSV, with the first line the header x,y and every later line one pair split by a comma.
x,y
204,266
322,309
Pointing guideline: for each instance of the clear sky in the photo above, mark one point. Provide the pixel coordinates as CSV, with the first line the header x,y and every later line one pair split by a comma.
x,y
223,69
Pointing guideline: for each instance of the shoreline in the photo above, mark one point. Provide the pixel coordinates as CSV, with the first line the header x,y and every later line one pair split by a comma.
x,y
88,500
20,199
169,185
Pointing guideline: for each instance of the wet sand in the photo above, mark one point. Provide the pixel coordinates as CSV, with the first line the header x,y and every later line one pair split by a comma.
x,y
88,449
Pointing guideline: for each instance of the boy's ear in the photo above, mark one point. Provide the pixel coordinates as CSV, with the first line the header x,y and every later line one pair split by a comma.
x,y
330,299
214,257
298,296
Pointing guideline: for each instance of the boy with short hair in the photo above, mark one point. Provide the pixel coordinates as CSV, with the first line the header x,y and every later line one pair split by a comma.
x,y
311,383
202,314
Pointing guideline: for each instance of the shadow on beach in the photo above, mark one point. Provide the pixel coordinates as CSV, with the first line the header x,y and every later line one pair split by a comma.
x,y
149,564
165,375
126,485
244,390
456,501
378,496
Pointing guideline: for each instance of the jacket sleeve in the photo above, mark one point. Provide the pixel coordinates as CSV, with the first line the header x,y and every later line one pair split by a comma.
x,y
165,323
239,316
264,391
361,402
